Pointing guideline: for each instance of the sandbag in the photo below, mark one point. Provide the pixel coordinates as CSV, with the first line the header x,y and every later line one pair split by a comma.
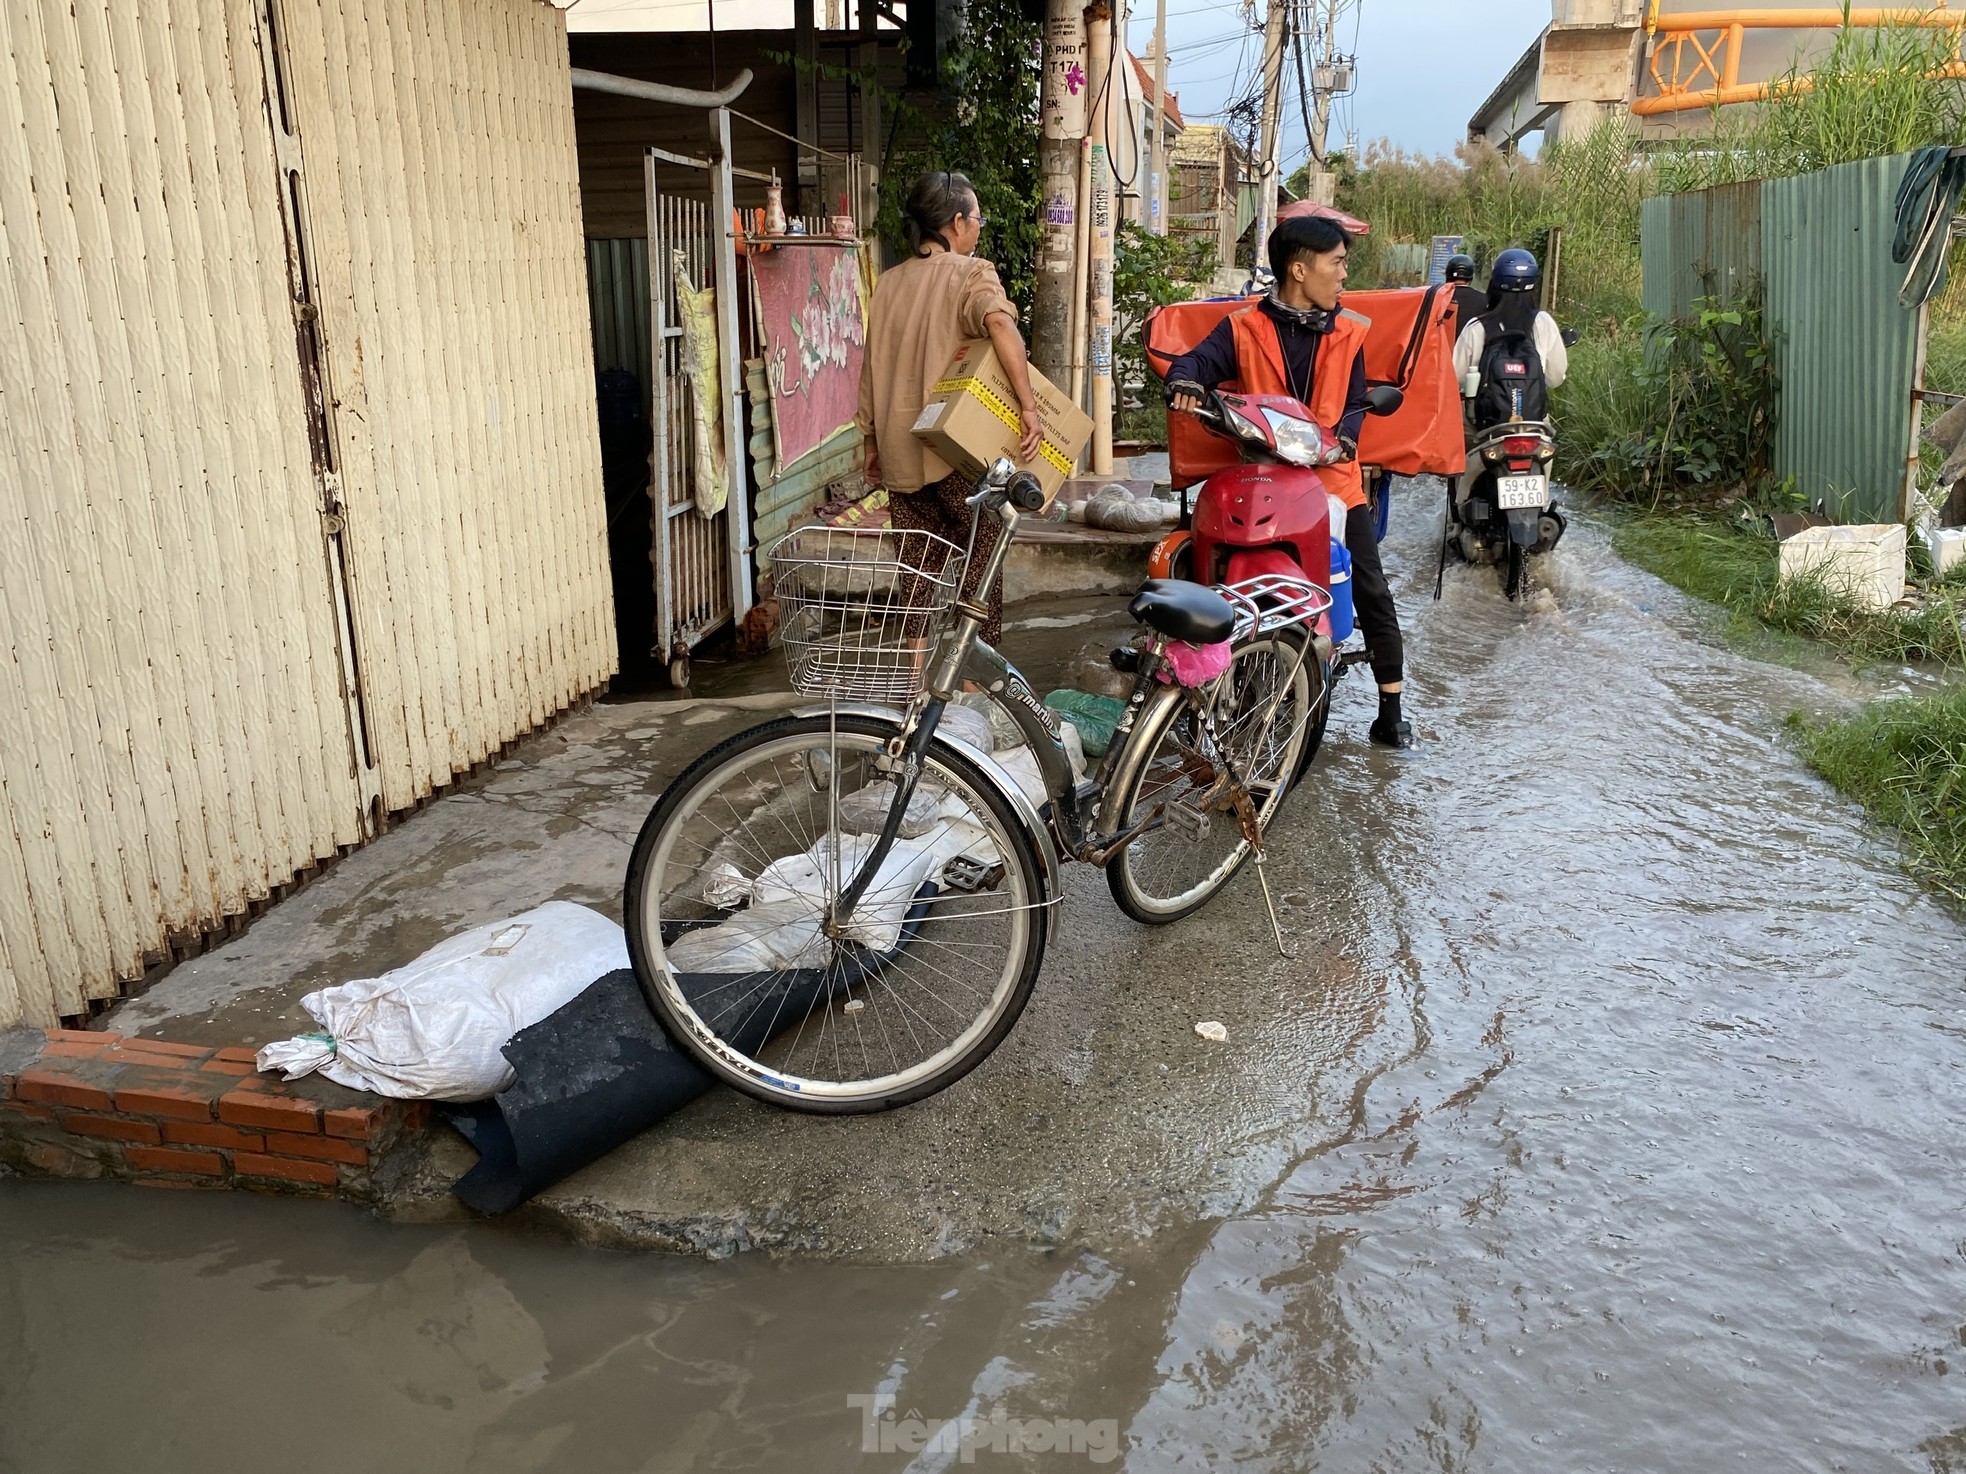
x,y
433,1028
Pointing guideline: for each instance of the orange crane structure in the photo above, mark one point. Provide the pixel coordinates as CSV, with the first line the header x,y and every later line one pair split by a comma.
x,y
1695,56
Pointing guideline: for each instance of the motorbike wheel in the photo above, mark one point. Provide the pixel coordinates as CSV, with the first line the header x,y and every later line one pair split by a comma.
x,y
1513,580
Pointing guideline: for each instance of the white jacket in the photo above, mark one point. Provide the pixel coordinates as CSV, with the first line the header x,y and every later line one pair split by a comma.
x,y
1549,347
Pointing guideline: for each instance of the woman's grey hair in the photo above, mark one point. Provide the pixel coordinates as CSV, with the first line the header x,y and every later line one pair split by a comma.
x,y
939,196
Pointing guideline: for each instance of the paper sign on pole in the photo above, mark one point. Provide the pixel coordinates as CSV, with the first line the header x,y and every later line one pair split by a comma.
x,y
1063,90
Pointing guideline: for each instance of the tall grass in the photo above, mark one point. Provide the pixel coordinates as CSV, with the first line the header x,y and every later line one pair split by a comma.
x,y
1590,188
1905,761
1735,565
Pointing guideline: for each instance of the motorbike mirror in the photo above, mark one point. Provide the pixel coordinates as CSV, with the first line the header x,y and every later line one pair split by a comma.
x,y
1570,336
1383,399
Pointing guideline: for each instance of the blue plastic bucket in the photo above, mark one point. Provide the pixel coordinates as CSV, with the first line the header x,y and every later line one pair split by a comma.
x,y
1341,593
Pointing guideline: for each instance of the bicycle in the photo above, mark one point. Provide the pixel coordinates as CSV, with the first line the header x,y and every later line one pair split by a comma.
x,y
846,909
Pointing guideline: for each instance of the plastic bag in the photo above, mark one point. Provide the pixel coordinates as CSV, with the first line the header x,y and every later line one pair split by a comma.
x,y
1195,665
967,724
864,811
1112,509
1004,732
765,938
883,906
433,1028
1094,716
1022,765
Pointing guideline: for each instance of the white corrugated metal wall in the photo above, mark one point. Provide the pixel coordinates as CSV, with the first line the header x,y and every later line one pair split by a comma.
x,y
175,733
451,272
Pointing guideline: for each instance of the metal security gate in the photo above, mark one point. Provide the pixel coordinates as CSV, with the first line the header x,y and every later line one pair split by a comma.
x,y
702,564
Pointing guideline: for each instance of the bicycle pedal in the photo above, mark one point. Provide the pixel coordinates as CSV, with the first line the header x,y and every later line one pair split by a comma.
x,y
1125,659
971,876
1192,822
1351,658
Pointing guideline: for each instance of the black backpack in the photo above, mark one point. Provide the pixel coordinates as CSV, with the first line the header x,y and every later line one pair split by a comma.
x,y
1512,386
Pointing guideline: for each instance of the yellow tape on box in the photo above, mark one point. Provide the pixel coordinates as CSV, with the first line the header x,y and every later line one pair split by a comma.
x,y
971,419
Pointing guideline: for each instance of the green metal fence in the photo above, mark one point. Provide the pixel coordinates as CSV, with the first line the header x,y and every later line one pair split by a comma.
x,y
1845,352
1705,244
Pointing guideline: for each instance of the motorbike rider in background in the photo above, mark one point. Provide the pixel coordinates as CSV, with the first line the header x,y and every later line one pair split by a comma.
x,y
1513,283
1298,341
1469,301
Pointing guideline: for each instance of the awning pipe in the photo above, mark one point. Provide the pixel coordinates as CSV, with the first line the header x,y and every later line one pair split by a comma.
x,y
660,91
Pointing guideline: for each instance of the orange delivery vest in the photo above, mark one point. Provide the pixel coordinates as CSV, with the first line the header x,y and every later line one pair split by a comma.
x,y
1260,370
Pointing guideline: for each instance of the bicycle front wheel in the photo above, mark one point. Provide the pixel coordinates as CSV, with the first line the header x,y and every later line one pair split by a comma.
x,y
728,912
1263,710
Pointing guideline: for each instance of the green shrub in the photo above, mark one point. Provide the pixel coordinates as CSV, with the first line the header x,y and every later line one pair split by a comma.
x,y
1590,188
984,123
1149,271
1671,412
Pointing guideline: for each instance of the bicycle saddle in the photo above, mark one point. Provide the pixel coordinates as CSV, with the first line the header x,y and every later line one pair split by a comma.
x,y
1183,611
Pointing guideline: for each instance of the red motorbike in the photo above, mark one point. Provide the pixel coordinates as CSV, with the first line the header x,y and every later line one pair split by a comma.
x,y
1265,524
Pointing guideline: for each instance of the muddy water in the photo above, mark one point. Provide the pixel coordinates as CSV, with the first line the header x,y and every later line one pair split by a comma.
x,y
1631,1141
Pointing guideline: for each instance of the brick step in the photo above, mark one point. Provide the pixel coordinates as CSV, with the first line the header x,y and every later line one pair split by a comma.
x,y
89,1104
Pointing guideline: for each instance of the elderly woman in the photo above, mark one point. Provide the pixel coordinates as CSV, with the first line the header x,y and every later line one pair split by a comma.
x,y
923,309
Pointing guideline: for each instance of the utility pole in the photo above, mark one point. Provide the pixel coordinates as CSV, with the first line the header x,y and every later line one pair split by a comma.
x,y
1324,184
1157,154
1274,26
1061,105
1099,38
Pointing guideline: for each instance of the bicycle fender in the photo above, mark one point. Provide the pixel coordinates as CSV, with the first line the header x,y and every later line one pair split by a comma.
x,y
1005,785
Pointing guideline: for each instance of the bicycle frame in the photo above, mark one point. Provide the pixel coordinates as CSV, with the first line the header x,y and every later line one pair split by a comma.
x,y
962,654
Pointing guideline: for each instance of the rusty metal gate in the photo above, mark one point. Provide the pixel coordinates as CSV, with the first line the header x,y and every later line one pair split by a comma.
x,y
702,563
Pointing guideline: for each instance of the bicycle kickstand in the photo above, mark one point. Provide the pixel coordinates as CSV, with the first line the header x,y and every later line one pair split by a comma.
x,y
1263,879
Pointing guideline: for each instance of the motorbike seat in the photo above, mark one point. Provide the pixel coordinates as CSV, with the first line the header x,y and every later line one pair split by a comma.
x,y
1183,611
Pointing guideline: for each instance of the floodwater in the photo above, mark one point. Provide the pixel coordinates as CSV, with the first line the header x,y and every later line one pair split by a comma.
x,y
1611,1121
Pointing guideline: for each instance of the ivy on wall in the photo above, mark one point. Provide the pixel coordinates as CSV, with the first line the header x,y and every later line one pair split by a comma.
x,y
984,123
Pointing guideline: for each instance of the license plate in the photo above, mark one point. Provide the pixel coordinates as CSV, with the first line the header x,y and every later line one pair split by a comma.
x,y
1522,491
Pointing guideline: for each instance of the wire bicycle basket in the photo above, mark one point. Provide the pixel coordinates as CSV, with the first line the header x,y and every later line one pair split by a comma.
x,y
858,607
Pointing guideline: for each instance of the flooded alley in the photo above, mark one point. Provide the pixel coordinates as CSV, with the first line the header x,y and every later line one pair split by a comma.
x,y
1607,1119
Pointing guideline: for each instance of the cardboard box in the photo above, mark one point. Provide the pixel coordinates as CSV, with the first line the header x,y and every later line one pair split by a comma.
x,y
971,419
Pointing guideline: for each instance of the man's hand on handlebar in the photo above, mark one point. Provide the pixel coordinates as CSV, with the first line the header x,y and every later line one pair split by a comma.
x,y
1184,396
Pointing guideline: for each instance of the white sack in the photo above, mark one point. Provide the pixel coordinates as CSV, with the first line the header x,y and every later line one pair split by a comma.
x,y
433,1028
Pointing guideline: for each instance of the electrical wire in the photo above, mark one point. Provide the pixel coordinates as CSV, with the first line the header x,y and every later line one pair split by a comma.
x,y
1121,57
1304,96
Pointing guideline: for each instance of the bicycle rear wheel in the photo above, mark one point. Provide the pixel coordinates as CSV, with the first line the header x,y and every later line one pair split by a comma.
x,y
1263,713
728,897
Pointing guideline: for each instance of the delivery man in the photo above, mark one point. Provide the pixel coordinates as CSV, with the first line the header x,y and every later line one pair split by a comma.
x,y
1297,342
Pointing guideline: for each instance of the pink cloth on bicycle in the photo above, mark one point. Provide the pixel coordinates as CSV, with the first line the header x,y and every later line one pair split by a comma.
x,y
1196,665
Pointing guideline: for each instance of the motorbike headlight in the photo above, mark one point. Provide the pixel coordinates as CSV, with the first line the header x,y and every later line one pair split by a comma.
x,y
1297,441
1241,425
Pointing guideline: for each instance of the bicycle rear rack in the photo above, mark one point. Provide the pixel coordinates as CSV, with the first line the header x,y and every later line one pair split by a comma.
x,y
1271,602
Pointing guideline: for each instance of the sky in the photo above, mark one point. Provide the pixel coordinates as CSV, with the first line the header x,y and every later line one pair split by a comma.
x,y
1423,65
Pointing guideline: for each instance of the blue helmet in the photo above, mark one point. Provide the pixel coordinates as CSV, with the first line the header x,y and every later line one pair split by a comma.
x,y
1515,270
